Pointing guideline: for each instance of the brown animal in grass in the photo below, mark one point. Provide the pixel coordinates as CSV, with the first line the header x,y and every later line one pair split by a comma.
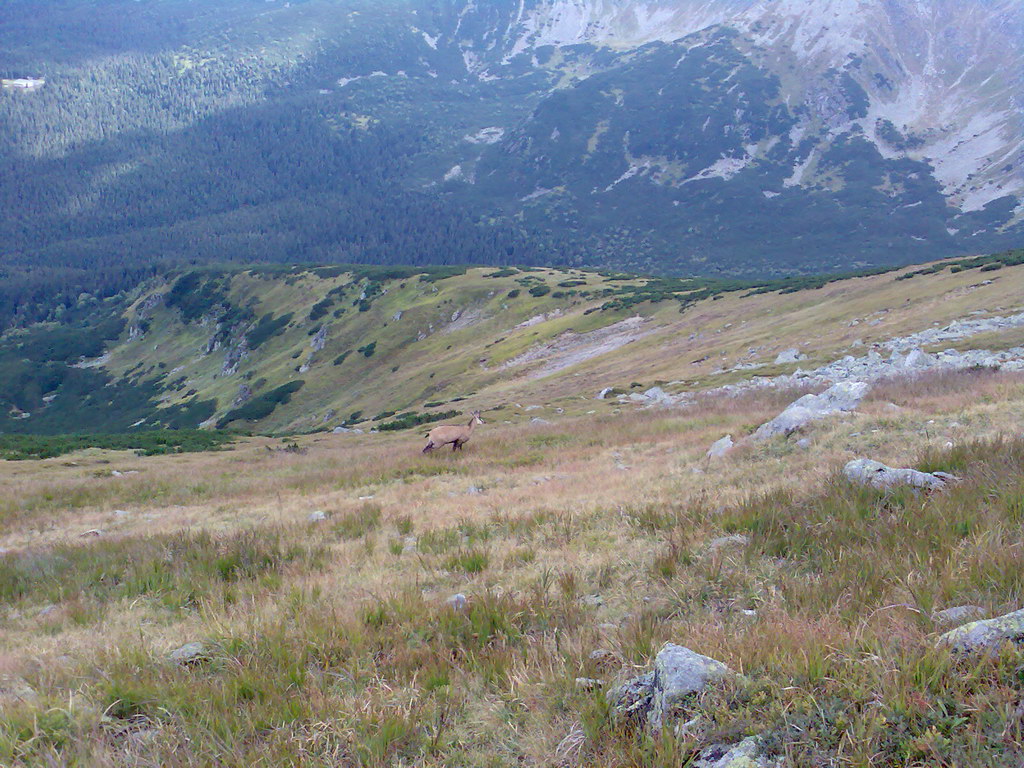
x,y
446,434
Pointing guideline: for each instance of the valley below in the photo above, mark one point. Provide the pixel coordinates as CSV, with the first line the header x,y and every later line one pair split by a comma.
x,y
318,593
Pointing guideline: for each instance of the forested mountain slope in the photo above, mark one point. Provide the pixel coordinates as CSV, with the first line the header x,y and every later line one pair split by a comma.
x,y
677,136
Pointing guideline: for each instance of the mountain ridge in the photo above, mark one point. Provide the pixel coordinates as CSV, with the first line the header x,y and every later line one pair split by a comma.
x,y
313,348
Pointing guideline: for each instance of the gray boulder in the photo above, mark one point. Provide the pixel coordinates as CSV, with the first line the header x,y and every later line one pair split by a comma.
x,y
658,395
721,448
917,359
457,602
656,697
190,653
986,636
679,672
790,356
318,516
839,398
786,423
958,614
878,475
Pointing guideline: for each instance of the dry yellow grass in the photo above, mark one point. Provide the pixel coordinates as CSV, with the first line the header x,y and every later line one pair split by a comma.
x,y
557,512
331,642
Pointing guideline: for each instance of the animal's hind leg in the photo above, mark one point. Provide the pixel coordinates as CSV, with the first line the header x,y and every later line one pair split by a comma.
x,y
455,446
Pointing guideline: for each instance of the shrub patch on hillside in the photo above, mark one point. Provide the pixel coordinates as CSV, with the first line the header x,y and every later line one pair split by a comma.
x,y
262,406
152,443
411,419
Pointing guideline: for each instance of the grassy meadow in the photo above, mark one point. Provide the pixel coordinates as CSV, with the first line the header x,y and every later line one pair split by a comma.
x,y
331,642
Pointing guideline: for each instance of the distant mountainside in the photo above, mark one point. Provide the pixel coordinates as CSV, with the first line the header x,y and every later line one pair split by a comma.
x,y
304,349
751,136
670,136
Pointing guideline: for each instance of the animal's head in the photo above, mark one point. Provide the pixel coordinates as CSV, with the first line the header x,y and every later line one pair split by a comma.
x,y
476,418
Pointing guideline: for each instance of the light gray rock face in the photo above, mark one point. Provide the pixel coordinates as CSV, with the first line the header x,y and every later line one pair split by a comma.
x,y
190,653
918,360
958,329
244,395
721,448
319,340
839,398
604,393
878,475
655,698
959,614
986,636
790,356
659,396
347,431
679,672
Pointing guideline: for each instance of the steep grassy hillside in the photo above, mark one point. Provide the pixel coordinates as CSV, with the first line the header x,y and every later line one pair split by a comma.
x,y
303,349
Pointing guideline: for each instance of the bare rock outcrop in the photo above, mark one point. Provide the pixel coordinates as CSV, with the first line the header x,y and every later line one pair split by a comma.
x,y
878,475
654,699
721,448
986,636
839,398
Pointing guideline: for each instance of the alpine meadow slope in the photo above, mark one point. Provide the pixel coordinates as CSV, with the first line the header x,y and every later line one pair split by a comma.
x,y
301,349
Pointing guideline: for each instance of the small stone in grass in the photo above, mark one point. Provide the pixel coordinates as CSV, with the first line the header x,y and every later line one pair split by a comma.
x,y
14,690
457,602
190,653
988,636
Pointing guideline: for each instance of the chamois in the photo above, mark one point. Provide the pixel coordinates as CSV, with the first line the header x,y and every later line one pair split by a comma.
x,y
458,436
